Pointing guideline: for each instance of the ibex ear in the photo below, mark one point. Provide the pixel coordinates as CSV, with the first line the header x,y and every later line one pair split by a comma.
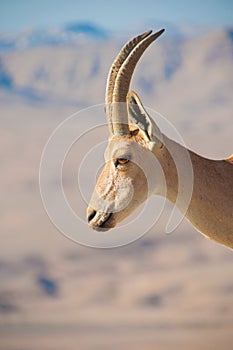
x,y
139,117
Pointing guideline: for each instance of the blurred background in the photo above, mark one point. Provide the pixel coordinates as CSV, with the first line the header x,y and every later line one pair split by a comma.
x,y
162,291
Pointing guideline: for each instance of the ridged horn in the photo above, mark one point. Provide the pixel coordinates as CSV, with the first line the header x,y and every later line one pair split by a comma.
x,y
125,73
119,60
119,81
117,63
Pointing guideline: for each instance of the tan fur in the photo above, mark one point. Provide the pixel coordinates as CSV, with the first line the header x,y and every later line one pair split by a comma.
x,y
211,207
229,159
150,163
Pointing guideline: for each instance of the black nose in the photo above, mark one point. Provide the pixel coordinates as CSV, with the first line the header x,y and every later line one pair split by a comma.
x,y
91,215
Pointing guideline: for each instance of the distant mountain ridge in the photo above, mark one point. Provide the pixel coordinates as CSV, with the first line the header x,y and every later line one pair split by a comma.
x,y
194,73
73,33
80,32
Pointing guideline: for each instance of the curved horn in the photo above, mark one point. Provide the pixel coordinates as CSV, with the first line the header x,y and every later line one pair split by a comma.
x,y
119,60
118,108
125,73
117,63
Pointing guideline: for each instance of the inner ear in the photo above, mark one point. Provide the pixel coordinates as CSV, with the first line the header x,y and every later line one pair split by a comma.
x,y
139,117
137,113
131,98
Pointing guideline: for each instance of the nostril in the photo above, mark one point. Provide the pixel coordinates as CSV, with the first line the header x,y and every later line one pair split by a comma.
x,y
91,216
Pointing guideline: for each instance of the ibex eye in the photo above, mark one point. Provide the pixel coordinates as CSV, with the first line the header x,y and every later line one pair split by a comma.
x,y
122,161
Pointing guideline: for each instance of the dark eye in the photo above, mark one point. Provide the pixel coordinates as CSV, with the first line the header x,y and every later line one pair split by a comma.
x,y
122,161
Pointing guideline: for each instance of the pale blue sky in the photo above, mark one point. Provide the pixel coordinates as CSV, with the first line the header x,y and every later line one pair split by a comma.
x,y
114,15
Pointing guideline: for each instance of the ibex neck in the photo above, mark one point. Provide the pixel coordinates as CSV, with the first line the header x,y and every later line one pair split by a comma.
x,y
210,208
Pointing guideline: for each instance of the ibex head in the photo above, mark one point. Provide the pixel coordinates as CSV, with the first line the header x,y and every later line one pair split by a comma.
x,y
134,138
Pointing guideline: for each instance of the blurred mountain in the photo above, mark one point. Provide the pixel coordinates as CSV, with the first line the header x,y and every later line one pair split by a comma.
x,y
73,33
63,67
178,31
79,32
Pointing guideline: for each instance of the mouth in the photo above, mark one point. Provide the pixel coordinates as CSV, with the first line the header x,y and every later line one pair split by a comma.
x,y
100,221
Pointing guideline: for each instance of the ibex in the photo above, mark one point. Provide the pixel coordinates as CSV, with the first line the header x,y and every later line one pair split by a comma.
x,y
136,143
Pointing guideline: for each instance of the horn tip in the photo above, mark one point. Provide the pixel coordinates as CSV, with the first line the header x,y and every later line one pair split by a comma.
x,y
157,34
161,31
148,32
